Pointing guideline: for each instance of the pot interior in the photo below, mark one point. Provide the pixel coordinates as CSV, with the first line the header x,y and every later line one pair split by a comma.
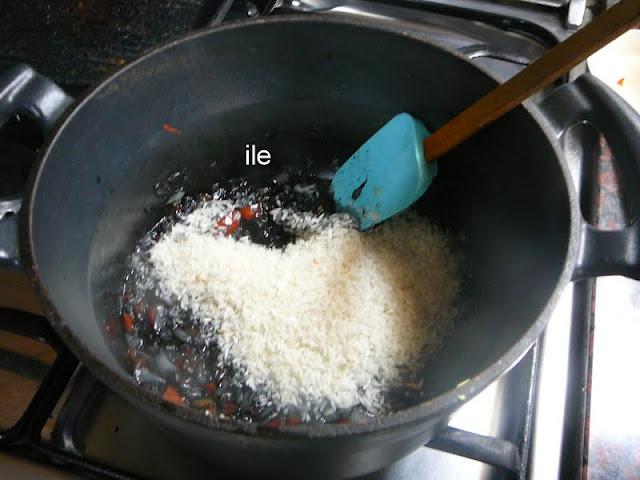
x,y
310,92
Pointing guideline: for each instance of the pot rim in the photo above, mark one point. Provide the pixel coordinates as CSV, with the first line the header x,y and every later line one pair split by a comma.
x,y
441,405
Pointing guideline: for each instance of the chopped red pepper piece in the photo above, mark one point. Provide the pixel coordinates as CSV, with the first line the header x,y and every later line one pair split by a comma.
x,y
167,127
171,395
273,423
231,222
230,409
232,228
224,221
202,403
127,322
294,420
211,388
249,213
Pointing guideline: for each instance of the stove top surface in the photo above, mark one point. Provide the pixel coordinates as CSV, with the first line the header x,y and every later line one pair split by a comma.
x,y
91,430
77,43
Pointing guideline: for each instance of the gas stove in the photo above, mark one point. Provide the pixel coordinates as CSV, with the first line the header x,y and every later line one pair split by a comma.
x,y
531,423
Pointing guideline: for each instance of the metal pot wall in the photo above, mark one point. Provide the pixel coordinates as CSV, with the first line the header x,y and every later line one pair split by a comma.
x,y
312,89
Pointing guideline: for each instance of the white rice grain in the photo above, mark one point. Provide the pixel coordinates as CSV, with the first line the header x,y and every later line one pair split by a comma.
x,y
333,316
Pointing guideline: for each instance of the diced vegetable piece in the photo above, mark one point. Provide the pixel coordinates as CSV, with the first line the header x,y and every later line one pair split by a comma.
x,y
167,127
273,423
230,222
294,420
249,212
202,403
211,388
127,322
230,409
171,395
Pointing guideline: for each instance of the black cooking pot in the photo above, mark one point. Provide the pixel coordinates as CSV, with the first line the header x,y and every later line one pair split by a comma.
x,y
310,90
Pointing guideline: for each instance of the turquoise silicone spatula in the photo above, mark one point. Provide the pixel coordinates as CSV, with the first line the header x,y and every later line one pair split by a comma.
x,y
397,164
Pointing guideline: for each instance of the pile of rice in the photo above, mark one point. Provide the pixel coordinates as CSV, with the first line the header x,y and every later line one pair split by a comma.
x,y
337,315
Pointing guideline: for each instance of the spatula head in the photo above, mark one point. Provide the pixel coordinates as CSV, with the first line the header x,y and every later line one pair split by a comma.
x,y
387,174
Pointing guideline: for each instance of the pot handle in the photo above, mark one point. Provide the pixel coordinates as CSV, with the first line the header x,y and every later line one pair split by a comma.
x,y
588,100
23,90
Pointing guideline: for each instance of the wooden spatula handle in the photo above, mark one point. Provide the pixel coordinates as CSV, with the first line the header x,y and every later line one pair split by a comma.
x,y
555,63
